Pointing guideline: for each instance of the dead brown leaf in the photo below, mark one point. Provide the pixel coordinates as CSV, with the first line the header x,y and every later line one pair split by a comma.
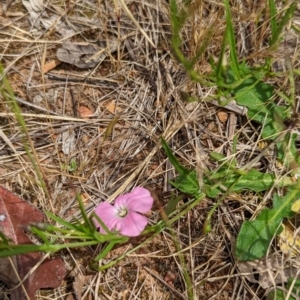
x,y
111,106
84,56
51,65
288,241
268,271
222,116
85,112
15,215
78,284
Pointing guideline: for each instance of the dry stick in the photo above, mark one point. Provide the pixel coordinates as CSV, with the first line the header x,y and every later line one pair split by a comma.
x,y
24,102
84,79
136,23
118,14
74,102
290,291
58,117
7,141
19,278
29,273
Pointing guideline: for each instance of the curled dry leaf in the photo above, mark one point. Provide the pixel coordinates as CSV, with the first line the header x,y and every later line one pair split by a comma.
x,y
111,106
15,215
68,140
222,116
85,56
268,270
79,282
38,16
35,9
51,65
170,278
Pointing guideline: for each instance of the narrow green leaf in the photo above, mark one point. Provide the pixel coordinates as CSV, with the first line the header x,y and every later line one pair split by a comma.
x,y
100,235
105,251
273,14
65,223
21,249
284,20
187,181
178,167
220,69
41,234
178,18
86,219
287,152
231,41
172,203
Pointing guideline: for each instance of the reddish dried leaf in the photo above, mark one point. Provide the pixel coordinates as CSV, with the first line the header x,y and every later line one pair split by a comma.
x,y
50,65
85,112
223,116
170,278
111,106
15,215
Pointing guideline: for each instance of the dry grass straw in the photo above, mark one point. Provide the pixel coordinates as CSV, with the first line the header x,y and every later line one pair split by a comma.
x,y
142,84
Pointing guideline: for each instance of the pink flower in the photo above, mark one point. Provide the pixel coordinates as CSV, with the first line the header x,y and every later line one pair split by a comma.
x,y
125,215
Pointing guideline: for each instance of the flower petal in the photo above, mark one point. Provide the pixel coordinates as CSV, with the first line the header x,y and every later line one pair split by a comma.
x,y
139,200
133,224
108,215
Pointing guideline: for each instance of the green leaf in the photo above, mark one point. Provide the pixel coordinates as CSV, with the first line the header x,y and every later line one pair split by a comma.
x,y
86,219
279,294
256,96
231,40
287,152
178,167
273,13
172,203
255,236
252,180
21,249
212,191
64,223
72,166
187,181
187,184
284,20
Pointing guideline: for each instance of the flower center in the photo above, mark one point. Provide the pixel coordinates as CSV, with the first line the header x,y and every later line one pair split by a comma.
x,y
122,212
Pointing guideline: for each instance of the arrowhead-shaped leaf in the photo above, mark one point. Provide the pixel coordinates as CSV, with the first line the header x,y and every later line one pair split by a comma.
x,y
255,236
